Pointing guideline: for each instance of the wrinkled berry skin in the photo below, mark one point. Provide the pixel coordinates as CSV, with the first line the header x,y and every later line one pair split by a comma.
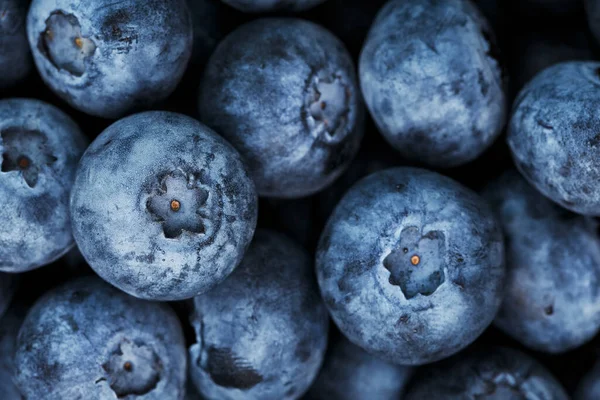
x,y
148,42
88,340
410,265
40,147
15,58
589,387
284,93
426,55
551,301
553,135
495,374
9,328
262,333
261,6
350,373
162,207
8,286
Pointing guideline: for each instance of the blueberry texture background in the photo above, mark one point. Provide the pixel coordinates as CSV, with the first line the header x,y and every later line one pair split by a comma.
x,y
162,207
553,134
494,374
261,6
86,339
262,333
284,92
552,301
404,309
15,57
110,58
350,373
40,147
432,80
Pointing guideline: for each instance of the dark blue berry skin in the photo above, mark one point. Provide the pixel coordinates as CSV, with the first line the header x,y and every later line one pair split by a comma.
x,y
494,374
589,387
110,58
88,340
261,6
284,93
262,333
162,207
350,373
431,78
9,328
40,147
553,135
552,301
410,265
15,57
8,286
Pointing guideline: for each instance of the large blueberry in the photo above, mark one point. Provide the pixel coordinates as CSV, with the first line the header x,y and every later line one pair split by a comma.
x,y
350,373
589,387
8,286
284,92
554,135
257,6
9,328
39,147
262,333
162,207
15,59
552,301
495,374
87,340
431,78
410,265
107,58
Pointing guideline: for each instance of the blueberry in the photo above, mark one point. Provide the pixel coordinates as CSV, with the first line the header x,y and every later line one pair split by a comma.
x,y
9,328
431,78
107,58
410,265
553,135
258,6
551,301
162,207
350,373
8,286
284,92
262,333
496,374
87,340
40,147
589,387
15,58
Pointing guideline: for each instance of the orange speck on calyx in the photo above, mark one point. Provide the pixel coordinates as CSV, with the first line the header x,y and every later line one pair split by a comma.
x,y
23,162
175,205
78,42
127,366
415,260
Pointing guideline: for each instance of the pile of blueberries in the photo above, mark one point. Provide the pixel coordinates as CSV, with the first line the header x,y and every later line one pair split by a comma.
x,y
427,174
